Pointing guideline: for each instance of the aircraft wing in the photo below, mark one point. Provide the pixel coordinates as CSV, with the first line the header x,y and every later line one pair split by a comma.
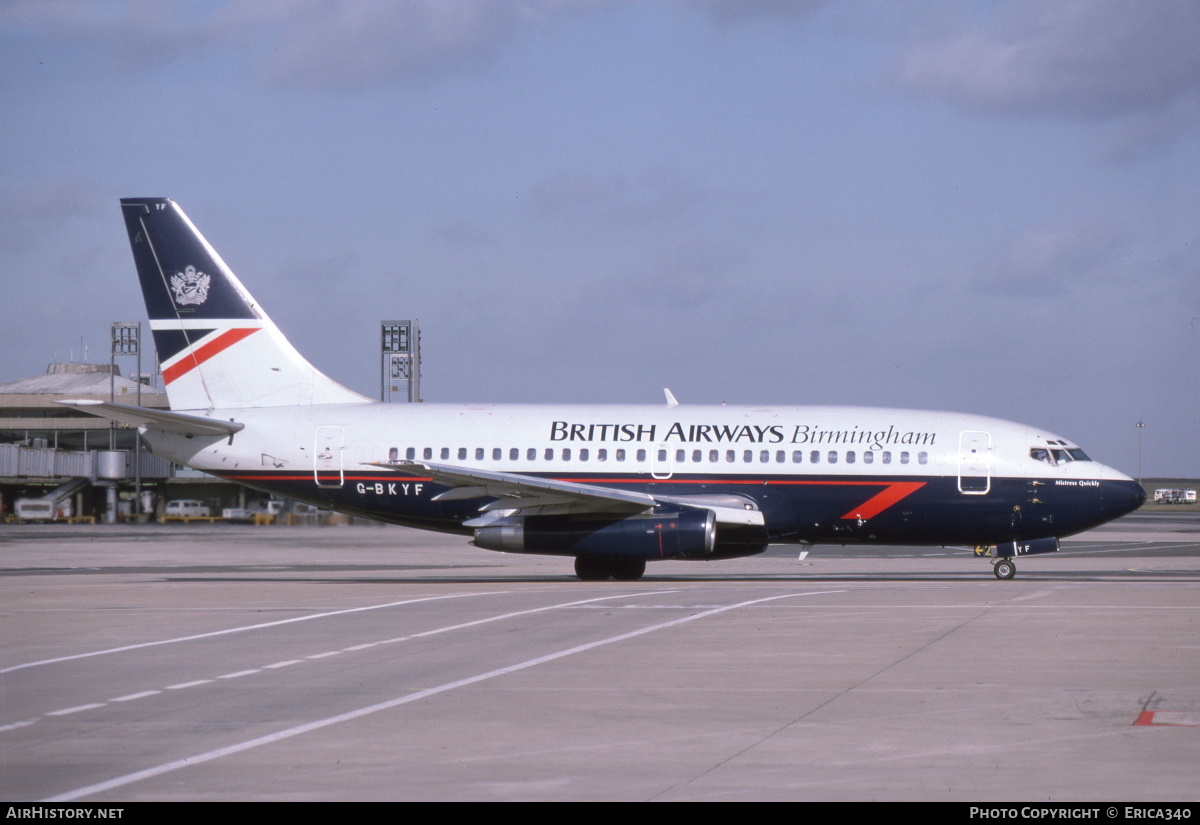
x,y
535,495
172,422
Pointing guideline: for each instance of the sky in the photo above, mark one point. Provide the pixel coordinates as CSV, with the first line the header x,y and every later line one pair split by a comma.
x,y
986,207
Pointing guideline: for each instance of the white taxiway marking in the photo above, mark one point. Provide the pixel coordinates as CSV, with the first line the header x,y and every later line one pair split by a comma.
x,y
183,685
279,736
16,725
75,709
239,674
244,629
133,696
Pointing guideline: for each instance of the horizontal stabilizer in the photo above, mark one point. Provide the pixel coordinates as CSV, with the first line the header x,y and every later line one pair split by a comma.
x,y
171,422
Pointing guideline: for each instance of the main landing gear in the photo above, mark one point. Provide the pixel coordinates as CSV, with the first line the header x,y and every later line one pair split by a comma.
x,y
600,568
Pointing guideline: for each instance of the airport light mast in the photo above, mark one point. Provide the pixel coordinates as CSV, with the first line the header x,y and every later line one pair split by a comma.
x,y
400,361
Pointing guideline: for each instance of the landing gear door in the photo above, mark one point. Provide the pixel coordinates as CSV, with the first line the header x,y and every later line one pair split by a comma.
x,y
327,457
974,462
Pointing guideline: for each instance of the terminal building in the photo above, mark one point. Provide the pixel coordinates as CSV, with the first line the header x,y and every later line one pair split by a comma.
x,y
61,462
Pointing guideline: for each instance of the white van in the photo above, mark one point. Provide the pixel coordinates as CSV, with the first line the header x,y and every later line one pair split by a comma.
x,y
186,507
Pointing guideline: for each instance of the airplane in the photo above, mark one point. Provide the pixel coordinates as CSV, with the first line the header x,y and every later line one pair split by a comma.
x,y
611,486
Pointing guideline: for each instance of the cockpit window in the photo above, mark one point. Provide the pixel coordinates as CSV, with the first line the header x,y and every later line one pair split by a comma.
x,y
1055,456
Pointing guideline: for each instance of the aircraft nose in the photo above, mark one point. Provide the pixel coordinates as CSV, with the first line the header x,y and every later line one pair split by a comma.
x,y
1122,494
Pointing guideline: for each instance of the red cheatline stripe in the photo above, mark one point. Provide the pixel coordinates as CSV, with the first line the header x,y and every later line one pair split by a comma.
x,y
1146,717
201,354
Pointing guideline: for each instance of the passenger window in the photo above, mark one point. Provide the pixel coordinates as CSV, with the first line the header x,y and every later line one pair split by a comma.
x,y
868,457
832,456
462,453
496,453
748,456
549,454
780,456
602,455
714,456
514,453
815,457
729,456
583,454
849,456
531,454
903,456
662,455
697,455
764,456
566,453
641,455
922,458
427,453
797,456
410,453
680,456
445,453
479,453
393,454
887,456
620,455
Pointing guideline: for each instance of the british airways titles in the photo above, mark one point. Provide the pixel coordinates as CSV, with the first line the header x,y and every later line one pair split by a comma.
x,y
737,433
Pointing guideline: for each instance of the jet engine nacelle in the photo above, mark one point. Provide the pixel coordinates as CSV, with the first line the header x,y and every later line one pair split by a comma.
x,y
678,534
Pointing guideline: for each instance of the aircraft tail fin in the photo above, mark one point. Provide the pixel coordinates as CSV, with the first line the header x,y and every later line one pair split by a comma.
x,y
216,346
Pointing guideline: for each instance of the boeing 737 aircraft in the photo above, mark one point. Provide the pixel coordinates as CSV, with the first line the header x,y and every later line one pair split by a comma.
x,y
611,486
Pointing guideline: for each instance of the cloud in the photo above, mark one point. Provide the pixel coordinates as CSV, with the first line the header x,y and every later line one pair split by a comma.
x,y
341,46
1045,261
26,211
734,12
137,33
1087,58
461,234
650,197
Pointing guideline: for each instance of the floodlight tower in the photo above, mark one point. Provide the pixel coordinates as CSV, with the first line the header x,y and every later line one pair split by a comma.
x,y
400,361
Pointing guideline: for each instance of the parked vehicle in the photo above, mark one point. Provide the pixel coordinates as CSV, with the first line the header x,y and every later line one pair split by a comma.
x,y
187,508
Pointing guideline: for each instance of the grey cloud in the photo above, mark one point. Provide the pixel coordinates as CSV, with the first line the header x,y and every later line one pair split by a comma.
x,y
1091,58
27,210
462,234
652,196
375,42
728,12
1045,261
